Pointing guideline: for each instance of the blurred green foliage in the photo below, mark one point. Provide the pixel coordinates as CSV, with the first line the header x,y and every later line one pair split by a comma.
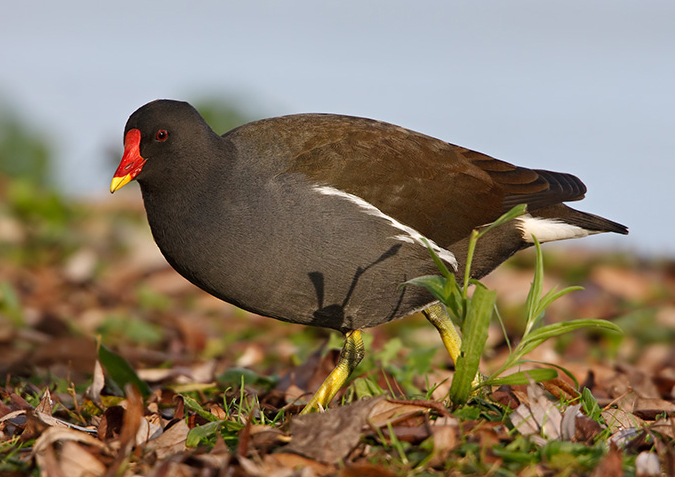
x,y
24,152
221,114
45,222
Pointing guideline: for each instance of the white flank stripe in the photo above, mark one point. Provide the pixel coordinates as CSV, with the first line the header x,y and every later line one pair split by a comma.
x,y
409,234
548,230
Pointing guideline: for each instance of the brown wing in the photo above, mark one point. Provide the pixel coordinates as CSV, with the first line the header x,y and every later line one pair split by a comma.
x,y
442,190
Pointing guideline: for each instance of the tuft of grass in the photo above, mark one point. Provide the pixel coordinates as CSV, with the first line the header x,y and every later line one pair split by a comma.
x,y
472,315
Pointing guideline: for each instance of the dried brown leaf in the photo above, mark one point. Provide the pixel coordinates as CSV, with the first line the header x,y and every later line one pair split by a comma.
x,y
111,423
45,405
218,411
541,416
264,438
389,412
272,462
561,389
611,465
665,427
77,462
48,464
93,392
366,470
586,429
523,420
170,468
649,408
505,396
244,437
179,413
445,441
54,434
665,382
133,418
330,436
413,434
569,422
18,402
545,413
171,441
33,427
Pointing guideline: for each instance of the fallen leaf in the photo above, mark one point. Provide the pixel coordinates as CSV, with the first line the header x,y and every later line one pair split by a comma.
x,y
294,461
505,396
569,422
54,434
545,413
540,417
390,412
93,392
647,465
45,405
264,438
561,389
523,421
445,441
365,470
586,429
77,462
330,436
413,434
618,419
133,418
171,441
111,423
649,408
611,464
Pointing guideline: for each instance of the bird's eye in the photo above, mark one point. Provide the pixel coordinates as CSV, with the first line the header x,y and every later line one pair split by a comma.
x,y
162,135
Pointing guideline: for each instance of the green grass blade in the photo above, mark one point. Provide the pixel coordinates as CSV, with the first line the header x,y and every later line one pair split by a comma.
x,y
562,369
523,377
590,405
121,371
557,329
435,284
469,260
552,296
193,405
537,337
455,303
535,290
439,263
516,211
198,433
475,332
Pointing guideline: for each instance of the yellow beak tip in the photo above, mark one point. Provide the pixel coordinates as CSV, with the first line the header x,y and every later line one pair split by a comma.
x,y
118,182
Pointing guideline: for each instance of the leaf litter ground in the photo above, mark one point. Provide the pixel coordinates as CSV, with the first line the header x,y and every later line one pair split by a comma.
x,y
88,307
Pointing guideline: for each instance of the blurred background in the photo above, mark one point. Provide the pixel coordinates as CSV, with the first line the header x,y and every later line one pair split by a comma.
x,y
575,86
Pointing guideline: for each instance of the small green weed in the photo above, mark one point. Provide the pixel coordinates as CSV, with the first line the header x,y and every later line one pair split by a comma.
x,y
473,315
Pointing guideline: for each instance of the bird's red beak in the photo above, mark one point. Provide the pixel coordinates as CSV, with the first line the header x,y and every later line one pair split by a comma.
x,y
132,161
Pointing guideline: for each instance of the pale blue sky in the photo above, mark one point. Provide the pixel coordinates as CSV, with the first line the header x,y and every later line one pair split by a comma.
x,y
575,86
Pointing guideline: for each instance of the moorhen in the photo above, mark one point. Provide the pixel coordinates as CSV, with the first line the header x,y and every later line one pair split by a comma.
x,y
318,219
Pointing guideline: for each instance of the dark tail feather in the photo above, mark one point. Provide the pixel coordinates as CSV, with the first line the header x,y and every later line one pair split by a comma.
x,y
590,222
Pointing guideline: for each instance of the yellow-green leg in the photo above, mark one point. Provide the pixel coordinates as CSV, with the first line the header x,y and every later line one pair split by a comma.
x,y
438,317
351,355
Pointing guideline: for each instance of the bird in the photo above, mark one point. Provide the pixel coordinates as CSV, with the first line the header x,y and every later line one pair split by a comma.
x,y
318,218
